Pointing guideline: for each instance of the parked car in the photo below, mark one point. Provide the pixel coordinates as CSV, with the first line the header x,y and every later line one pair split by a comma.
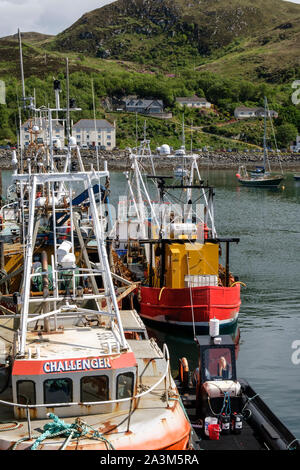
x,y
84,146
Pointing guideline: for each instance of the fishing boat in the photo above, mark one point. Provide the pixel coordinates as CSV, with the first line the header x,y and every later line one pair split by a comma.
x,y
225,411
77,372
260,177
176,253
297,176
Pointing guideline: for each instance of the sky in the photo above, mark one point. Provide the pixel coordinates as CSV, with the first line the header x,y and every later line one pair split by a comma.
x,y
44,16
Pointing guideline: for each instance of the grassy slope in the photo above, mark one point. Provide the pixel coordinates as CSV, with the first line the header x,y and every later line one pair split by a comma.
x,y
210,34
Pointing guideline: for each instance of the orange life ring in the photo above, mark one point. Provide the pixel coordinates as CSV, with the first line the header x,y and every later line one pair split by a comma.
x,y
183,371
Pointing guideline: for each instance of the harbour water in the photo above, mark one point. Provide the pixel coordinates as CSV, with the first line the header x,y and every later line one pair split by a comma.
x,y
267,260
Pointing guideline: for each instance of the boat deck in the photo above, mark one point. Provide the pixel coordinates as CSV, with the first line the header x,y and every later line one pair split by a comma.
x,y
247,440
244,441
73,342
132,322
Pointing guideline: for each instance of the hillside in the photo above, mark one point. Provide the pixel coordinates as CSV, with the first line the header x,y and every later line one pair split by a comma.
x,y
254,40
30,37
232,52
175,33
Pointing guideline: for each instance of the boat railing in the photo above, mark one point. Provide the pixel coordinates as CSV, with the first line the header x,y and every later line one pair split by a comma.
x,y
164,377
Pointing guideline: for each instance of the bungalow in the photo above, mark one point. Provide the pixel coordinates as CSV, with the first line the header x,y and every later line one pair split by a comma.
x,y
260,112
194,102
36,130
91,132
243,112
144,106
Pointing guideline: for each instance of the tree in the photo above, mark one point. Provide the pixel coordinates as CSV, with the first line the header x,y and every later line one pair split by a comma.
x,y
285,134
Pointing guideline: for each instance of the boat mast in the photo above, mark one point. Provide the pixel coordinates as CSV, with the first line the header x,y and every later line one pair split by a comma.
x,y
265,135
24,98
21,66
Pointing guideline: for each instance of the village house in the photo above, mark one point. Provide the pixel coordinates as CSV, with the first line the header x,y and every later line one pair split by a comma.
x,y
194,102
296,145
36,130
242,112
95,133
144,106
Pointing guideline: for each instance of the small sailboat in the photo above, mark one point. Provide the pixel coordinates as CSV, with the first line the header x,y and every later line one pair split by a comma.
x,y
260,177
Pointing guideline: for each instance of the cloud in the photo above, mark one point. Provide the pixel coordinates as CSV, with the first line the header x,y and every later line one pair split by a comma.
x,y
43,16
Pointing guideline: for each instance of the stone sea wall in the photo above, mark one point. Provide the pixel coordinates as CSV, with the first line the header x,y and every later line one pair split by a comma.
x,y
119,160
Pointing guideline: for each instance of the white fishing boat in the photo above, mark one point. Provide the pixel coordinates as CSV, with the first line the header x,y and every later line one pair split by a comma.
x,y
76,371
71,353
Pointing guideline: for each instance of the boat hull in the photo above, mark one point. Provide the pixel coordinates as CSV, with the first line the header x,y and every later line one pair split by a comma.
x,y
261,183
178,307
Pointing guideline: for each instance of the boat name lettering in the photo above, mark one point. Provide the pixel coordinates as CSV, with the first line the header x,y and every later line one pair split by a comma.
x,y
76,364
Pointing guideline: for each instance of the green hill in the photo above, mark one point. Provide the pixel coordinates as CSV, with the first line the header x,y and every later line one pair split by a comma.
x,y
175,33
232,52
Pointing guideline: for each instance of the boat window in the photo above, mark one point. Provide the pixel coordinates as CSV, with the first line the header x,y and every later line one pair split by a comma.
x,y
26,392
217,364
94,388
125,385
58,391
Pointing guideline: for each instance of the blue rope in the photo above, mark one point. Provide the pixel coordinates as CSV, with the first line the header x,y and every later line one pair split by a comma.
x,y
226,408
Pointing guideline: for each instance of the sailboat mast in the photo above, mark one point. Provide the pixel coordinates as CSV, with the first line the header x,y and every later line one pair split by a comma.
x,y
21,66
265,133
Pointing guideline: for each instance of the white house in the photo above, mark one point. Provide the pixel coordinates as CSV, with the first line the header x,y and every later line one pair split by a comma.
x,y
296,145
99,132
194,102
242,112
36,130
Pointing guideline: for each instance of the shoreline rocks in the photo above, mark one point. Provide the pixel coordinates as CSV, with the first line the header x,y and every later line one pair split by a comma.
x,y
119,160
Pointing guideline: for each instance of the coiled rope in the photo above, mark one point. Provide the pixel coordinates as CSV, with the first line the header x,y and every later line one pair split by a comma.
x,y
72,431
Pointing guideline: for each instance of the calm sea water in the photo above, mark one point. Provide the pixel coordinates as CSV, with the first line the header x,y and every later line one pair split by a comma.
x,y
268,261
